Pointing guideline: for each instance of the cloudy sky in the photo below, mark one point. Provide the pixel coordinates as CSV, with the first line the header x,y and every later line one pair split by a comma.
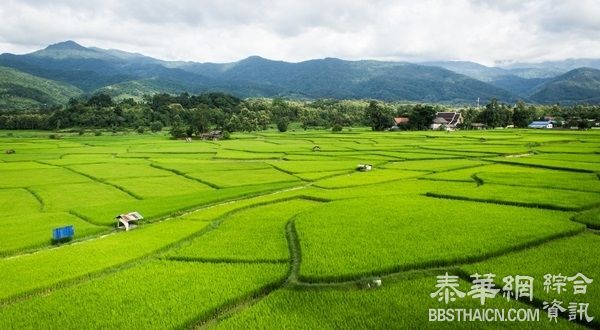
x,y
485,31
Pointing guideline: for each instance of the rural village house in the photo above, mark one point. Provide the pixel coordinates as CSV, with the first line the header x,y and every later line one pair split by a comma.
x,y
448,119
401,121
541,124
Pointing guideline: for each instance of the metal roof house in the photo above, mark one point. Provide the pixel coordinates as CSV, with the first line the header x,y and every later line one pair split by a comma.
x,y
401,120
212,135
541,124
126,220
448,119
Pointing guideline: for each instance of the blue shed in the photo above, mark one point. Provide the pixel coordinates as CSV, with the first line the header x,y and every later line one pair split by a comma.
x,y
63,233
541,124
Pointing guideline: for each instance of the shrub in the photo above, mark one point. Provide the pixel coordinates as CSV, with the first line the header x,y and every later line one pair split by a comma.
x,y
54,136
226,135
81,131
97,133
140,129
177,131
336,128
282,124
156,126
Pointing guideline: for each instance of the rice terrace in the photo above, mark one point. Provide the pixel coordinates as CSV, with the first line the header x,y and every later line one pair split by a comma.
x,y
273,229
288,164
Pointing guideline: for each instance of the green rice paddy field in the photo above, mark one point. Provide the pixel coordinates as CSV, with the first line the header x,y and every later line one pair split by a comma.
x,y
260,231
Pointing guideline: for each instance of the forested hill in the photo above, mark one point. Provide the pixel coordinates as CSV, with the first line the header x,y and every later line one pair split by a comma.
x,y
123,75
22,91
575,86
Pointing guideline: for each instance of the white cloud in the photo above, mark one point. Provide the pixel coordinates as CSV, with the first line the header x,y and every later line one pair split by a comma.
x,y
480,30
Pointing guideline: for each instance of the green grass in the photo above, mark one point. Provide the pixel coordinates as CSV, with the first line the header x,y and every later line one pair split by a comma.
x,y
396,305
164,186
428,165
244,155
226,222
155,208
254,234
315,166
173,148
107,160
585,158
64,197
565,165
53,266
590,217
537,177
106,171
35,177
22,166
158,294
197,165
575,148
365,178
461,173
523,196
348,239
315,176
20,234
18,202
235,178
567,256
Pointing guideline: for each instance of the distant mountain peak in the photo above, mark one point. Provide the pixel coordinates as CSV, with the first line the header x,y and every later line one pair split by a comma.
x,y
66,45
584,70
255,58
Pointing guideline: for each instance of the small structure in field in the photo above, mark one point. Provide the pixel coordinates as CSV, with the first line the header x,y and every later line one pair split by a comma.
x,y
316,148
364,167
541,124
477,126
62,234
213,135
188,139
372,283
9,151
128,220
449,120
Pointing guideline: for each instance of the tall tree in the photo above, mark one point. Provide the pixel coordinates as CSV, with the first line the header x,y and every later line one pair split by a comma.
x,y
523,115
421,117
379,118
495,114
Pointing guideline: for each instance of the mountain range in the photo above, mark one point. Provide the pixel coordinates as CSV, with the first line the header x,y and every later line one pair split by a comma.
x,y
63,70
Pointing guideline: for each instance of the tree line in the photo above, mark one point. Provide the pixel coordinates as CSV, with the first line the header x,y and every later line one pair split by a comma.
x,y
192,115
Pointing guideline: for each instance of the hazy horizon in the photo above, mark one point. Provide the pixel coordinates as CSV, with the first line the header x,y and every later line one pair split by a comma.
x,y
481,31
